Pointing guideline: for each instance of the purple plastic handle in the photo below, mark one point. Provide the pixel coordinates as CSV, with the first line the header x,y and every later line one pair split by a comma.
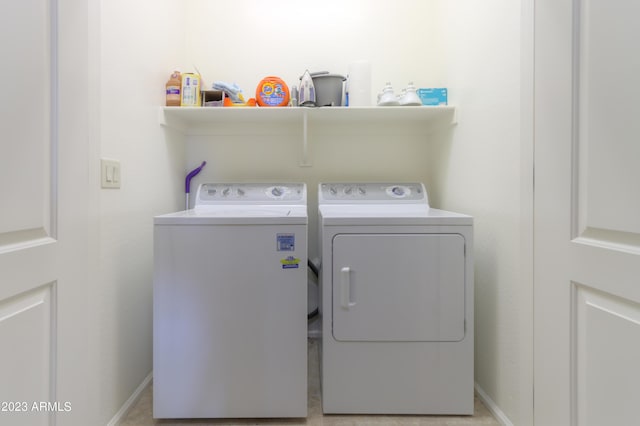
x,y
191,175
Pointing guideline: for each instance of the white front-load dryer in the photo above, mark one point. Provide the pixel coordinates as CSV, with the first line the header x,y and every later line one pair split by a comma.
x,y
397,302
230,304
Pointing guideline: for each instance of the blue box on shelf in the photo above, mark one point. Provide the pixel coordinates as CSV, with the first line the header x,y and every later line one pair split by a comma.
x,y
433,96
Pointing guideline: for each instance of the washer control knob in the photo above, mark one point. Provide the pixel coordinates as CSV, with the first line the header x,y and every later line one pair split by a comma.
x,y
276,192
333,190
348,190
397,190
226,192
362,191
240,192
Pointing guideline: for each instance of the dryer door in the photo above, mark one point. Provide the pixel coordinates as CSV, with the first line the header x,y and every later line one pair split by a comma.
x,y
398,287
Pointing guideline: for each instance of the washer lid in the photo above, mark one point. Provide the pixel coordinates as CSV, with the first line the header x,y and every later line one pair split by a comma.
x,y
237,215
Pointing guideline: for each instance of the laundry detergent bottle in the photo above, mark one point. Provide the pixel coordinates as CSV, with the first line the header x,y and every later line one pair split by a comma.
x,y
173,89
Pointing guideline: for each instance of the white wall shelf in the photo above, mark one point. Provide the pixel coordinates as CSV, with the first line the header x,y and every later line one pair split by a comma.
x,y
202,120
199,121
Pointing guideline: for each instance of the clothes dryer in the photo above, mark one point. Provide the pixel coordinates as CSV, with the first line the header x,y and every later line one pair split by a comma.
x,y
230,304
397,302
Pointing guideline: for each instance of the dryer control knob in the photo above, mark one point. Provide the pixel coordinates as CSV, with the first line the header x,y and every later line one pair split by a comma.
x,y
276,192
348,190
226,191
398,191
362,191
333,190
240,192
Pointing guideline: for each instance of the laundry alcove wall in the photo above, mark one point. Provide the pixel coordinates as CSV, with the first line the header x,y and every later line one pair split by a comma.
x,y
472,48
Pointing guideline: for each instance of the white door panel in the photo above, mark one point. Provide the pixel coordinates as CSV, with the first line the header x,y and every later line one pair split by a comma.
x,y
27,247
25,154
608,114
398,287
587,213
607,330
26,328
42,238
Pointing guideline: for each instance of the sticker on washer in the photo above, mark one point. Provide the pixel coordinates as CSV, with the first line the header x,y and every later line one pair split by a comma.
x,y
286,242
290,262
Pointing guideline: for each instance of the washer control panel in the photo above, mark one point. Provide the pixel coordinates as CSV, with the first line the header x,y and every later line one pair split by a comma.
x,y
251,193
347,193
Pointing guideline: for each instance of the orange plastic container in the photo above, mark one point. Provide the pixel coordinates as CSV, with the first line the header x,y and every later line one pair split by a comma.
x,y
272,92
250,103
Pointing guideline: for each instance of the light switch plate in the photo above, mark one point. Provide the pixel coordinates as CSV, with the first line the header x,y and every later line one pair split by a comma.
x,y
110,173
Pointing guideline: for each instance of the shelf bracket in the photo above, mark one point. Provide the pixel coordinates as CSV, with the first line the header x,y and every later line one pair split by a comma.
x,y
171,123
304,162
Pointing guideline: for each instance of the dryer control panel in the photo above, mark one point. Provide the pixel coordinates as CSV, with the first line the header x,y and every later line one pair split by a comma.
x,y
372,193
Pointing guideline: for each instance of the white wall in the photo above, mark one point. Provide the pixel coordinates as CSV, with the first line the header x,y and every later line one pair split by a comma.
x,y
482,167
254,41
246,40
485,170
135,47
472,48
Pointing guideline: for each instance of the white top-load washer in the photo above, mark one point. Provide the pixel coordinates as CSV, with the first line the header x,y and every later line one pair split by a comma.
x,y
230,304
396,301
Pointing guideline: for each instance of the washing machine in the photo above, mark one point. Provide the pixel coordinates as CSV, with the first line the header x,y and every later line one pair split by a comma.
x,y
230,304
397,302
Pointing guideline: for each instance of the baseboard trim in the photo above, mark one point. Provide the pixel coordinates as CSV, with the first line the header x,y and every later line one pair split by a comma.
x,y
129,403
492,407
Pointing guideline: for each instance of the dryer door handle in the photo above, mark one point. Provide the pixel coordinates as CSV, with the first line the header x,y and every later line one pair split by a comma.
x,y
345,288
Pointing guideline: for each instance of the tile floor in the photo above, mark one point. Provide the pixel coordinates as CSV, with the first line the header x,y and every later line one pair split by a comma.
x,y
141,413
